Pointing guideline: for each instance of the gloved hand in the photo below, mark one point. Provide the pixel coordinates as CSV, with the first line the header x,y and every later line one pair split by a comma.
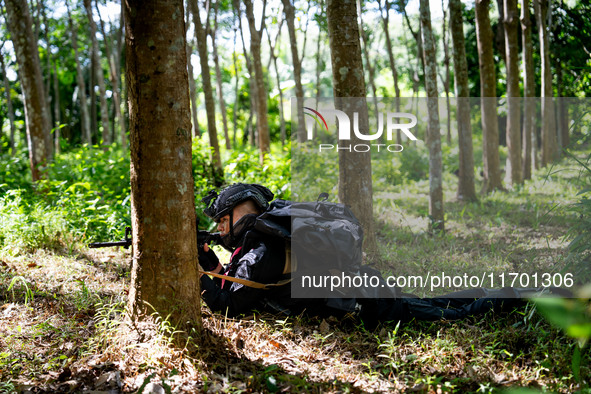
x,y
208,259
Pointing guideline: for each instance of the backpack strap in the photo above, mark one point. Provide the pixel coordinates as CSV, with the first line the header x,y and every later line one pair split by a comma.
x,y
246,282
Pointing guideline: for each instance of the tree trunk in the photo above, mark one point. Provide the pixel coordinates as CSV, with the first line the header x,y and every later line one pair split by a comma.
x,y
385,25
289,11
500,32
488,94
84,115
236,86
433,132
9,107
117,61
318,56
365,51
92,92
27,56
100,78
164,273
562,109
114,69
529,90
201,34
47,74
192,90
513,168
218,78
549,143
253,94
444,29
466,188
355,184
56,111
255,50
273,58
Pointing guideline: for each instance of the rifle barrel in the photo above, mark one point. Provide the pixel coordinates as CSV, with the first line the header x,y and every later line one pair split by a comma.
x,y
125,244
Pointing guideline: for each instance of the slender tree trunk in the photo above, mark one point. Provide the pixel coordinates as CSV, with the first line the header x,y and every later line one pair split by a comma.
x,y
201,34
365,51
488,94
319,56
562,108
355,184
100,77
192,90
466,188
513,168
444,29
114,69
433,132
289,11
529,90
273,58
500,32
386,25
255,50
549,143
92,92
252,86
9,107
117,61
236,87
47,75
56,111
37,120
218,78
164,273
84,115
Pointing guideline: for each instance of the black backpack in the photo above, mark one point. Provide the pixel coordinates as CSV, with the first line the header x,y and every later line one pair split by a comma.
x,y
324,236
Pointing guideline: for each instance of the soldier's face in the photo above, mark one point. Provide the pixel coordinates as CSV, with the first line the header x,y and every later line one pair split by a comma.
x,y
224,225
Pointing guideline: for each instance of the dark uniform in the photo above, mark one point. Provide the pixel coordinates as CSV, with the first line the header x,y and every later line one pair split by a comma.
x,y
261,258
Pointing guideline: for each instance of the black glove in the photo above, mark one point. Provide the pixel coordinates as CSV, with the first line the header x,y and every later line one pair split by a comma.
x,y
208,260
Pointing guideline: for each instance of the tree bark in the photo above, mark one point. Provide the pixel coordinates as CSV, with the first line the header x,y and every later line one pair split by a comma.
x,y
444,29
252,86
273,58
114,69
466,189
549,143
513,168
201,34
433,132
84,115
529,90
100,77
488,94
164,273
192,90
255,50
37,120
236,84
365,51
562,108
289,10
9,107
218,77
355,184
56,111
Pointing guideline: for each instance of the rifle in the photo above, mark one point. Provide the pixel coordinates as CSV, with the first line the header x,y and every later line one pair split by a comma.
x,y
203,237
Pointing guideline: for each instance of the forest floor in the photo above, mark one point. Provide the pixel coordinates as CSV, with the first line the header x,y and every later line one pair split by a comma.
x,y
64,326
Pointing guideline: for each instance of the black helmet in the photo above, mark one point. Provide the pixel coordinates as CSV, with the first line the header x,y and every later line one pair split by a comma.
x,y
222,204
